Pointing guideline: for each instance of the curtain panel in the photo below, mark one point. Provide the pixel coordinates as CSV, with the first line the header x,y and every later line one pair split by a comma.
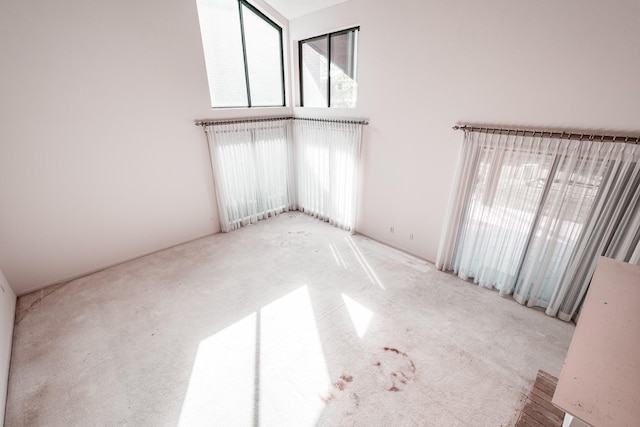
x,y
253,170
263,168
327,158
530,215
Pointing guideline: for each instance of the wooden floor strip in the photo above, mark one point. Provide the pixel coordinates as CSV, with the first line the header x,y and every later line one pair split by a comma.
x,y
538,410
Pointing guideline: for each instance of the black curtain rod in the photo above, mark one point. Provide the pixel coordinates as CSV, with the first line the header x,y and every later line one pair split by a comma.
x,y
271,119
551,134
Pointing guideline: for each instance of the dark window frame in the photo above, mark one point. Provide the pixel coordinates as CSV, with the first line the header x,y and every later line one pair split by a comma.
x,y
314,38
244,55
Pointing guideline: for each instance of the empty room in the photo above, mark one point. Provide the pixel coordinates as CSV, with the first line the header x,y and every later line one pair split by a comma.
x,y
319,213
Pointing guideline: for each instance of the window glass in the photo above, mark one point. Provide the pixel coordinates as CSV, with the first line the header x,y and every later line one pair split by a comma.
x,y
343,70
263,60
328,69
243,55
222,41
315,76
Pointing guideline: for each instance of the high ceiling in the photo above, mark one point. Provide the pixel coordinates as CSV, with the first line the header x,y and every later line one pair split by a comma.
x,y
291,9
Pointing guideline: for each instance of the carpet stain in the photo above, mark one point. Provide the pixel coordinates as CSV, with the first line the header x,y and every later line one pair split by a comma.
x,y
327,398
340,385
38,296
355,404
395,368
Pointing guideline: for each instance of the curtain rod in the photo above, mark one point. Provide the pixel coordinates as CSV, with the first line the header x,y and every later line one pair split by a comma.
x,y
271,119
353,122
551,134
247,120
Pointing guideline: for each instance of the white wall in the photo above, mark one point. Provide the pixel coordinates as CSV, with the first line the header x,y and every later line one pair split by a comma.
x,y
427,65
7,313
100,161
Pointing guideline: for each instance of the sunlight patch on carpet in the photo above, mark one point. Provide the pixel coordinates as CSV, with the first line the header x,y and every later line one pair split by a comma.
x,y
269,366
360,316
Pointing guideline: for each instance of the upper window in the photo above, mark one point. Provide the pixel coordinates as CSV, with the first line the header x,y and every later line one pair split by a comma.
x,y
328,68
243,54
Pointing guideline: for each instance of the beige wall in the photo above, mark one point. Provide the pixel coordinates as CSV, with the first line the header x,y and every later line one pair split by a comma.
x,y
427,65
100,161
7,312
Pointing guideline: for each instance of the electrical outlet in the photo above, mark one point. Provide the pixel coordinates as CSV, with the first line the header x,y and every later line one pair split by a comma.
x,y
391,229
410,236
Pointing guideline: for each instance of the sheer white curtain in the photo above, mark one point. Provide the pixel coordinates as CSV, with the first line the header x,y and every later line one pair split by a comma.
x,y
530,215
252,168
327,157
625,243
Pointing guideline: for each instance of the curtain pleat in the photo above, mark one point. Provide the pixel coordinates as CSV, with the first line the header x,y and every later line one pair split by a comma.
x,y
252,171
530,215
327,158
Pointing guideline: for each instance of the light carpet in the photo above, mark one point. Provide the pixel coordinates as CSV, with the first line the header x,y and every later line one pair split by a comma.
x,y
288,322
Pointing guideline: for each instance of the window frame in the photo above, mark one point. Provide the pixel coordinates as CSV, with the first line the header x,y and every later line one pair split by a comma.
x,y
314,38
